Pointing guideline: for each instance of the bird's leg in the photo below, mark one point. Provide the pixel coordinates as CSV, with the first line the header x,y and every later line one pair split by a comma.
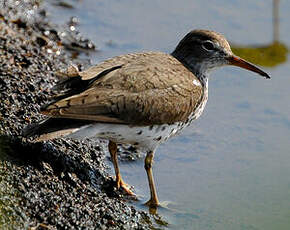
x,y
153,202
119,181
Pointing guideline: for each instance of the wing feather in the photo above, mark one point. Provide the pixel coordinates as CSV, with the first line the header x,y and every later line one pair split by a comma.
x,y
152,89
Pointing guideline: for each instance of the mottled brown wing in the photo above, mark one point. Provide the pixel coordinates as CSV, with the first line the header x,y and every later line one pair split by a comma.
x,y
151,89
126,59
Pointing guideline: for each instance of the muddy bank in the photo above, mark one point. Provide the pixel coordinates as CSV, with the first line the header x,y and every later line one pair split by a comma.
x,y
61,184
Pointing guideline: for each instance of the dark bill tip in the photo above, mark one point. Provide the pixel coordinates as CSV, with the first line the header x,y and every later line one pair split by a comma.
x,y
237,61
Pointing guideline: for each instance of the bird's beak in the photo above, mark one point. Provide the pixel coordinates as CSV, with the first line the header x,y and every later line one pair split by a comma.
x,y
237,61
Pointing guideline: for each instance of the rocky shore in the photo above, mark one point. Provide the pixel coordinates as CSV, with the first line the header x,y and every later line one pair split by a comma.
x,y
61,184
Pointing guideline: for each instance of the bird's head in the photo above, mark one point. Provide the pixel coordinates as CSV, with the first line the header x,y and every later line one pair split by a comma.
x,y
203,50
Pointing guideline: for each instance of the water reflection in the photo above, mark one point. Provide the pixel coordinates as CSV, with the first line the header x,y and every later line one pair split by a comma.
x,y
267,55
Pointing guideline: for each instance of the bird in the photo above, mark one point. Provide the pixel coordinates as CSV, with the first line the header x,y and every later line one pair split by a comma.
x,y
142,99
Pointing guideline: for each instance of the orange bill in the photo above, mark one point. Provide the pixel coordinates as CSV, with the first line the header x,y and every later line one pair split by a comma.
x,y
237,61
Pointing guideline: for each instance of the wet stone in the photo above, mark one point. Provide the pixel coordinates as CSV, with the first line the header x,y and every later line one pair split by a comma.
x,y
60,184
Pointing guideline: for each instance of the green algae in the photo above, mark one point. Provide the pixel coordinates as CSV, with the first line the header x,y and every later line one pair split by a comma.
x,y
268,56
10,215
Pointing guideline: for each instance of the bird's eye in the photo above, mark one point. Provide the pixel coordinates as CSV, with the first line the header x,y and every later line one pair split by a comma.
x,y
208,45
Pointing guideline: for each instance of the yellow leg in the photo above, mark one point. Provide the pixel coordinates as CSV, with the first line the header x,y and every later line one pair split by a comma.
x,y
153,202
119,181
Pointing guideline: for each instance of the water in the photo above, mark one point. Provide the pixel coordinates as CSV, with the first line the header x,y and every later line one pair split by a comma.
x,y
230,169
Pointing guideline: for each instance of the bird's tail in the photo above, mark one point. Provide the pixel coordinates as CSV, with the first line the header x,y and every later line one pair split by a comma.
x,y
52,128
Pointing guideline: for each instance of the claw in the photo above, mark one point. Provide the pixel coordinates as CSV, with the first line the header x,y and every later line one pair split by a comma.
x,y
125,187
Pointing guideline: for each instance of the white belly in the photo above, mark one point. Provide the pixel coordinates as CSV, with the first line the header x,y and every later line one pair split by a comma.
x,y
142,137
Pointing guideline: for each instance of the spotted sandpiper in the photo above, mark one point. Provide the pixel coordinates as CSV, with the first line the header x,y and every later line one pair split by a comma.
x,y
140,99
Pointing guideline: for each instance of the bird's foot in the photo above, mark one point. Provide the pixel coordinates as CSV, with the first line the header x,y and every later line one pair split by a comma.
x,y
152,203
125,187
153,206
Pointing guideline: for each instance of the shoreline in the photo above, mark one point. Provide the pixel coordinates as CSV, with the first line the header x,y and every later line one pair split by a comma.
x,y
57,184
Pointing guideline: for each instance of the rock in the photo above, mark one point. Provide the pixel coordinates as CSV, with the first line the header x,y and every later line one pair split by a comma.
x,y
59,184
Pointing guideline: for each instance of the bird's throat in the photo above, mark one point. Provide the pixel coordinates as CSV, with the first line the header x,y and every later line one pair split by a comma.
x,y
200,69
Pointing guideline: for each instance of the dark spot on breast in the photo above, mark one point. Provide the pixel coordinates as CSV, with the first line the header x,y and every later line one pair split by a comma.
x,y
163,128
140,132
157,139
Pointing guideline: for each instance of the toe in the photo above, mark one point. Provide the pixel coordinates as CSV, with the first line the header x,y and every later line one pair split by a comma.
x,y
126,188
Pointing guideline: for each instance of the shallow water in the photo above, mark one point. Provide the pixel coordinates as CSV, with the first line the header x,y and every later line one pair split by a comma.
x,y
230,169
